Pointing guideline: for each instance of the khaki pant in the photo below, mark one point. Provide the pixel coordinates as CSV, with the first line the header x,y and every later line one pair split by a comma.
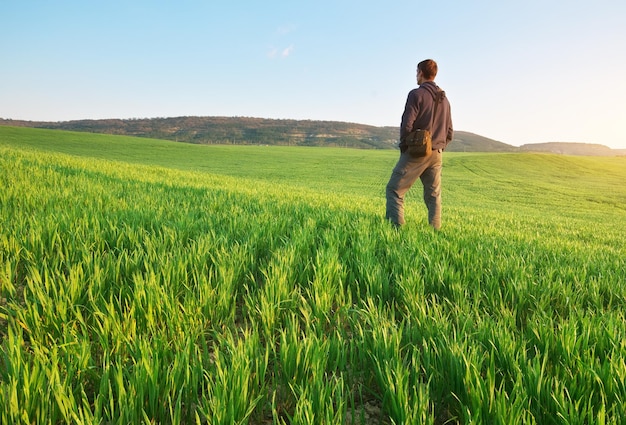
x,y
404,175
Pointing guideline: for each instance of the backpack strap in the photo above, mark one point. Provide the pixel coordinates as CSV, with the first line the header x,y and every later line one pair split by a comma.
x,y
437,98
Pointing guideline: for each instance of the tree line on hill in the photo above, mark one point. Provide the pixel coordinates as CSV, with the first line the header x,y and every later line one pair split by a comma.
x,y
286,132
235,130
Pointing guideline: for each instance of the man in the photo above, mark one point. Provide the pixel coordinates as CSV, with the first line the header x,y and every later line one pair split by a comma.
x,y
418,114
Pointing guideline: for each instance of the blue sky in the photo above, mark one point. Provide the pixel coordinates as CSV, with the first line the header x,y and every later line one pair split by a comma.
x,y
516,71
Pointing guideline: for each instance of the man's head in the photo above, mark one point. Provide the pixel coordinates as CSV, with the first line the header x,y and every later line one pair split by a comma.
x,y
426,71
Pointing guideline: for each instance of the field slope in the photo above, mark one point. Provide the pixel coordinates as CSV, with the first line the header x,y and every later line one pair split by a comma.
x,y
146,281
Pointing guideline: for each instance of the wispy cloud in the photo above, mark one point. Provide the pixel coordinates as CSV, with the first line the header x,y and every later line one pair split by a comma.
x,y
282,53
286,52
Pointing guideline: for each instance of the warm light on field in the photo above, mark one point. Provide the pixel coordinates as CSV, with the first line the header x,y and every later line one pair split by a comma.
x,y
144,281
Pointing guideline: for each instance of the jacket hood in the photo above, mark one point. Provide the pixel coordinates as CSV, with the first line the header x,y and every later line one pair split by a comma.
x,y
431,87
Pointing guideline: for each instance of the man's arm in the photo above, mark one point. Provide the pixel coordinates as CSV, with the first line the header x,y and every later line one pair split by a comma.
x,y
409,115
450,134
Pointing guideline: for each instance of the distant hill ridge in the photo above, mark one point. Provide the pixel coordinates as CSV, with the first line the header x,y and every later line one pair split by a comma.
x,y
264,131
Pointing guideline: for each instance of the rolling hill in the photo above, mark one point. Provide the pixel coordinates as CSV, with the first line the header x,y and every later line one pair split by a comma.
x,y
587,149
262,131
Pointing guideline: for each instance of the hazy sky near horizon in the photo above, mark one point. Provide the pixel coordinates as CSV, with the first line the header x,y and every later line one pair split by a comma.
x,y
515,71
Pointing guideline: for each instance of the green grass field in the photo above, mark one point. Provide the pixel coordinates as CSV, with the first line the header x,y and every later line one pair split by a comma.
x,y
146,281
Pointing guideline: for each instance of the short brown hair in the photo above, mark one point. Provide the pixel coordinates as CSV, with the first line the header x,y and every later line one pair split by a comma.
x,y
428,68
